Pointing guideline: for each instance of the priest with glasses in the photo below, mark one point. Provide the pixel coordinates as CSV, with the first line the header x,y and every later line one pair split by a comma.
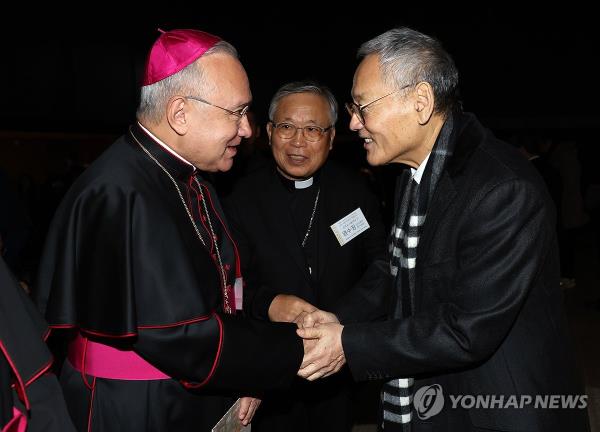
x,y
306,229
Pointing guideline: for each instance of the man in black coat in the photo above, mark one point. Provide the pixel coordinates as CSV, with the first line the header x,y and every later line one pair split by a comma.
x,y
281,217
475,308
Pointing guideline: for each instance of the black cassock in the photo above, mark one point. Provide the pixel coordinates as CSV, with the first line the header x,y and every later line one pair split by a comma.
x,y
270,220
124,265
25,382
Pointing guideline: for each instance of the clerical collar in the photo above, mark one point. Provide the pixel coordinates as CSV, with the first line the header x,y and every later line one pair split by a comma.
x,y
299,184
418,173
177,166
166,147
303,184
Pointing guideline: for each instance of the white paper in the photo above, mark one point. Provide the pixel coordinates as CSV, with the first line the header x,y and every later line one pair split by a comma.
x,y
350,226
230,421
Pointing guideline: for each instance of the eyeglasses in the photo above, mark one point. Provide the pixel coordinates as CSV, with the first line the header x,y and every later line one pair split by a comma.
x,y
359,110
237,113
289,130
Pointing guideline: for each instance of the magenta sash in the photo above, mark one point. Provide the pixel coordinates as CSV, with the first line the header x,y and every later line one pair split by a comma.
x,y
103,361
17,424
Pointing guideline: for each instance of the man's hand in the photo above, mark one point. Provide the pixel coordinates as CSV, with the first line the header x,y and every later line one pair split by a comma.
x,y
248,406
287,307
308,345
326,357
318,316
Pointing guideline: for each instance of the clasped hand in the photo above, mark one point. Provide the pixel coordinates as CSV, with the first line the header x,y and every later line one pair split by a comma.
x,y
323,352
321,333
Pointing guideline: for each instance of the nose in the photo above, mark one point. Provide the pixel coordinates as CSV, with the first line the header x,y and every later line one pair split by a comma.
x,y
355,123
299,140
244,129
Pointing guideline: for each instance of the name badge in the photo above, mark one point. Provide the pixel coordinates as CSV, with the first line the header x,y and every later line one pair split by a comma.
x,y
238,289
350,226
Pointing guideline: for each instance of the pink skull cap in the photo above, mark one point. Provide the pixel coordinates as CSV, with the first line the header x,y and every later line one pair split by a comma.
x,y
174,50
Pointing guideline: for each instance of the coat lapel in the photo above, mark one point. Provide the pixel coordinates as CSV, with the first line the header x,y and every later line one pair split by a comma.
x,y
443,196
464,143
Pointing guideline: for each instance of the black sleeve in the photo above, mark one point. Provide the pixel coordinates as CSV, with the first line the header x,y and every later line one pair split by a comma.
x,y
375,240
225,352
367,300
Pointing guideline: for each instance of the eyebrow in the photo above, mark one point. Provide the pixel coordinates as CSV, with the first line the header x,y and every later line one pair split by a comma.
x,y
358,96
290,120
242,105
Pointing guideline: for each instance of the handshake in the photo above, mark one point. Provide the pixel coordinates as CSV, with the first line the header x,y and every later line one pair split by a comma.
x,y
320,331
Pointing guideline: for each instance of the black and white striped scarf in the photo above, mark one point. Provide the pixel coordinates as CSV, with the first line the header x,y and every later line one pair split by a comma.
x,y
410,210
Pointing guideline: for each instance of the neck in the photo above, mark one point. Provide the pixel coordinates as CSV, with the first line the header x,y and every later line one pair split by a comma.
x,y
430,134
296,179
298,182
163,138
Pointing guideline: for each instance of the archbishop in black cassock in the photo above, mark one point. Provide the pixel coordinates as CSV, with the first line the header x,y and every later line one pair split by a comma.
x,y
139,262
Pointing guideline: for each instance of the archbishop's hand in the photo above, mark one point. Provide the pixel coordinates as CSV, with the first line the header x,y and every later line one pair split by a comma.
x,y
248,406
316,317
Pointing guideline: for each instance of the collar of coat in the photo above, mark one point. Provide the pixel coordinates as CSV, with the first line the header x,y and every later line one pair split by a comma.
x,y
468,134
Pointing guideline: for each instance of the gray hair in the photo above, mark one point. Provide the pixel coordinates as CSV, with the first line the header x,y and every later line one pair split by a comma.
x,y
304,87
407,57
188,81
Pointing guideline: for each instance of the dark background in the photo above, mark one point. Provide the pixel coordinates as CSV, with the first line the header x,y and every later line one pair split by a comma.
x,y
69,78
521,67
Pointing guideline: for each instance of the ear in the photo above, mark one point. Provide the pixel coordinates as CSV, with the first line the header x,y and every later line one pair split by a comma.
x,y
331,137
424,102
269,130
177,115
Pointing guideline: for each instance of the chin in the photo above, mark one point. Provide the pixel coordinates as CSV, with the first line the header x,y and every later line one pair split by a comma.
x,y
225,165
373,160
291,172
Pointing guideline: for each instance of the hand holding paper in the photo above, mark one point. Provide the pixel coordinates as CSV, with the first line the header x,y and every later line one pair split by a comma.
x,y
248,407
237,416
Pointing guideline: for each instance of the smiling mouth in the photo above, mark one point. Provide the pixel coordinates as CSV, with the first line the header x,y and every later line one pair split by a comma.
x,y
297,158
232,148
